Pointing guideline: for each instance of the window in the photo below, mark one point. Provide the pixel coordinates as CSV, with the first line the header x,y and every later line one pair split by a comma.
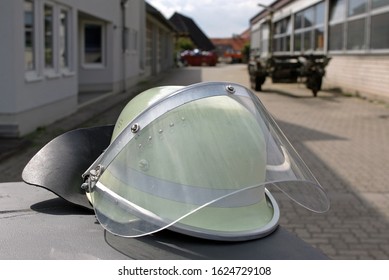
x,y
356,7
282,33
380,31
379,3
358,25
264,37
337,10
356,34
319,27
309,29
337,16
48,36
309,17
320,13
319,38
29,30
336,37
64,38
298,20
93,44
297,42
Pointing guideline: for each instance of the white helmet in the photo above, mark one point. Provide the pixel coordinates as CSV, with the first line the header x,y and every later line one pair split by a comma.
x,y
197,159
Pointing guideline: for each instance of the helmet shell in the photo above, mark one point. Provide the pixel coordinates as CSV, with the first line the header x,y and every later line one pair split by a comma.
x,y
206,145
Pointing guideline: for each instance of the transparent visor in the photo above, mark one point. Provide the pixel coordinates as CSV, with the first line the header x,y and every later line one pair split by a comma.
x,y
200,159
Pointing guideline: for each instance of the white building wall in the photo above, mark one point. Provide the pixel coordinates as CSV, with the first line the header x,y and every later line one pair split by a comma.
x,y
7,53
29,101
159,47
134,53
360,75
38,98
365,73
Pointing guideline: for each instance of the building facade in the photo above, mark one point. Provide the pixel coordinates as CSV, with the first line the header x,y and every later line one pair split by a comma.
x,y
55,52
160,41
354,33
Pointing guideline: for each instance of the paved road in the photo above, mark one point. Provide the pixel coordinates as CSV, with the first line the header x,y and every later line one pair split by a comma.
x,y
343,139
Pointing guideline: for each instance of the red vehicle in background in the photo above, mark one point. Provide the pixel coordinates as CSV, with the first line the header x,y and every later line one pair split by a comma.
x,y
198,58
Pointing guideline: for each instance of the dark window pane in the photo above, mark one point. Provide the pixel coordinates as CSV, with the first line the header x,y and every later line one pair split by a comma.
x,y
319,38
309,17
298,20
284,25
29,35
307,40
380,31
48,27
297,42
319,13
93,43
287,43
356,7
275,44
277,27
336,37
356,35
63,39
379,3
281,44
337,10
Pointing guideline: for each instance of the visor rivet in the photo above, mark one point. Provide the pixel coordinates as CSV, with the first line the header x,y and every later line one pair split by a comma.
x,y
230,89
135,128
144,165
160,131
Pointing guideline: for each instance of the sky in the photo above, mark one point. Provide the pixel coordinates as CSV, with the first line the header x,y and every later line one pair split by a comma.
x,y
216,18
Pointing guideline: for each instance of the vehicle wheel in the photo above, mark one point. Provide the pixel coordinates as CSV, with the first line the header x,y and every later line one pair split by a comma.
x,y
258,83
314,83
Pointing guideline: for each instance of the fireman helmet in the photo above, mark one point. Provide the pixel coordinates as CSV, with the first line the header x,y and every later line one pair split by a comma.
x,y
198,160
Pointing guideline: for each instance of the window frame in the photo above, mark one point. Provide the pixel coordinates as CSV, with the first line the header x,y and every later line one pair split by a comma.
x,y
302,31
65,69
41,70
32,74
346,21
89,65
52,66
284,37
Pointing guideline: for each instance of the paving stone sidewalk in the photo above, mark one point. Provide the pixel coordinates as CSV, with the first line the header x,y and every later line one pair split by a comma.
x,y
344,140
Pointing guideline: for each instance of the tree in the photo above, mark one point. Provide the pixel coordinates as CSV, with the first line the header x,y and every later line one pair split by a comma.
x,y
246,52
185,43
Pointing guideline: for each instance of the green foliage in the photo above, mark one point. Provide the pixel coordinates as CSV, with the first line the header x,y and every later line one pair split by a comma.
x,y
185,43
246,52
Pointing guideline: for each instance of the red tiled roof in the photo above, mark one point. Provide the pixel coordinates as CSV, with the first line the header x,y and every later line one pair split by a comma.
x,y
237,43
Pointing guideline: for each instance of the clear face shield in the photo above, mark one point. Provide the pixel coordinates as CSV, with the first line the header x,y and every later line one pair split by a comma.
x,y
199,161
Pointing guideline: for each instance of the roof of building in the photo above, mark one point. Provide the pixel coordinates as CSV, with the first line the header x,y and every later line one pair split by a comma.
x,y
158,15
277,4
186,26
236,42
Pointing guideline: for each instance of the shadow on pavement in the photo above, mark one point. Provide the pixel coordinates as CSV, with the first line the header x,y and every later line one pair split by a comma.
x,y
352,228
